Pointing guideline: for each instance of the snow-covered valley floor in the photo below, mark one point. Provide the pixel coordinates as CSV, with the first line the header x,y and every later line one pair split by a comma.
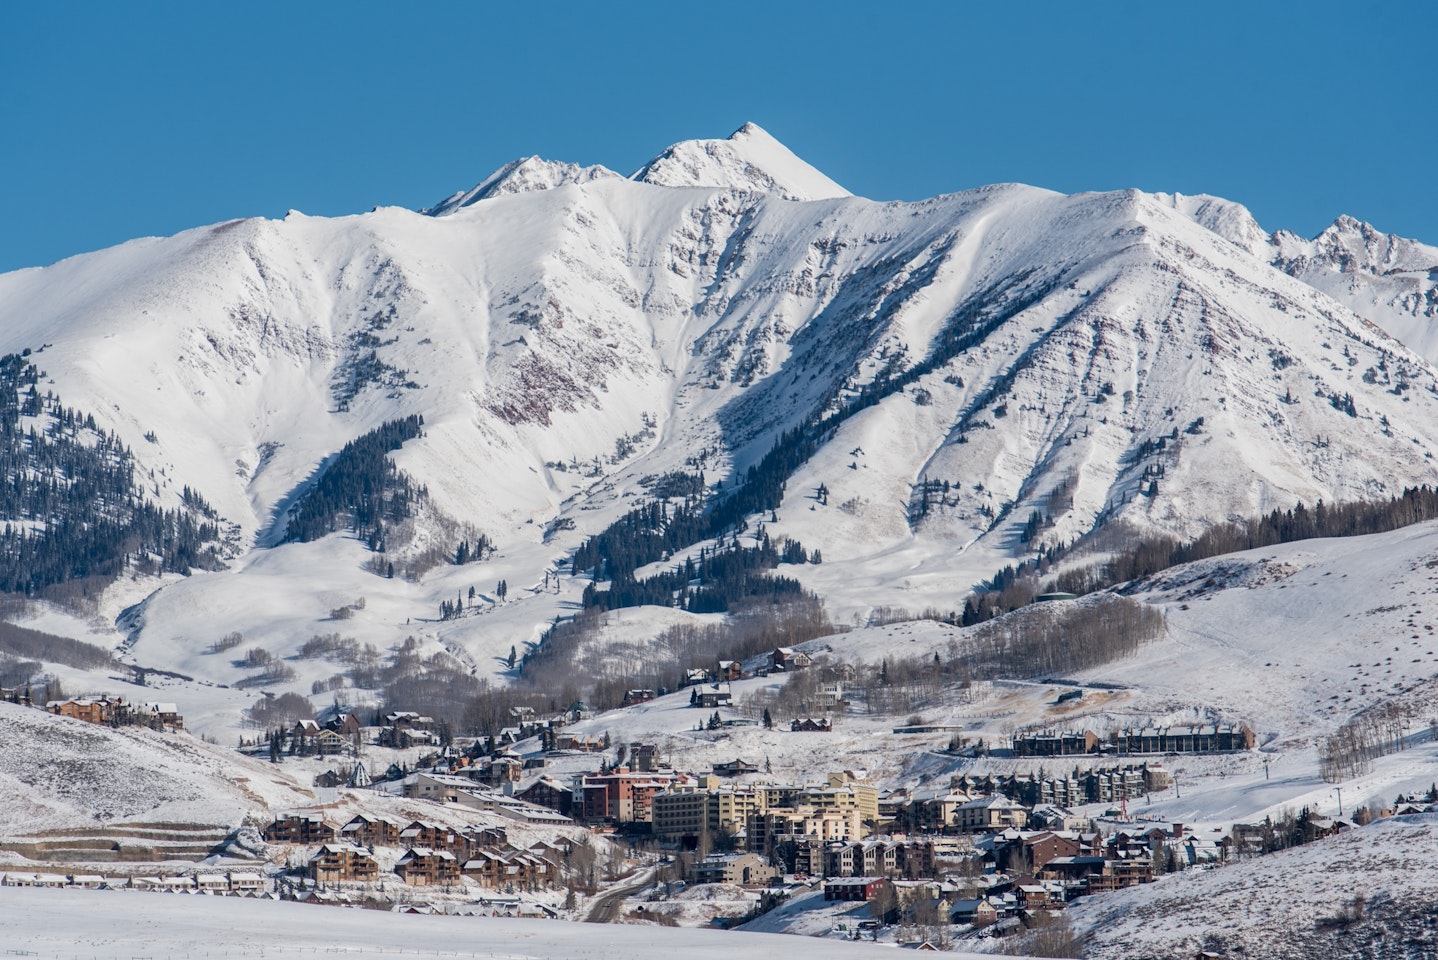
x,y
120,925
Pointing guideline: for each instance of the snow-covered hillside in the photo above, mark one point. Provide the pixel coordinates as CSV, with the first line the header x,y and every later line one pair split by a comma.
x,y
1389,280
568,335
1366,893
57,773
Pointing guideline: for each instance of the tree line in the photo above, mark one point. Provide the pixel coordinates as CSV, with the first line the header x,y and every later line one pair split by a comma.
x,y
73,510
724,574
361,490
1016,586
1349,751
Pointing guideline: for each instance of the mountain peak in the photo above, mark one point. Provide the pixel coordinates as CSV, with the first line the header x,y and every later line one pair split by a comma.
x,y
1231,221
748,159
527,175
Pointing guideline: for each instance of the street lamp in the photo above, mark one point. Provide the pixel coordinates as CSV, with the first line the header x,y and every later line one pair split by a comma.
x,y
1339,791
1265,767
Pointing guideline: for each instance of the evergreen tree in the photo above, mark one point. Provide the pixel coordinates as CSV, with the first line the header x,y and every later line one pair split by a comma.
x,y
360,489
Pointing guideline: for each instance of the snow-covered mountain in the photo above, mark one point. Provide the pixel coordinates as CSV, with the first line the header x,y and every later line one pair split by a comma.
x,y
1389,280
748,159
520,176
569,334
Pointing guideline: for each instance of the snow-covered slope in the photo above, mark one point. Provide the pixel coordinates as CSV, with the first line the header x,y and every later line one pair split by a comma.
x,y
1298,903
1389,280
749,159
1089,358
59,773
520,176
117,925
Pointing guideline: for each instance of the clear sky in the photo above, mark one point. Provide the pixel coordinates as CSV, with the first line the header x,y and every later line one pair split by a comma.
x,y
131,119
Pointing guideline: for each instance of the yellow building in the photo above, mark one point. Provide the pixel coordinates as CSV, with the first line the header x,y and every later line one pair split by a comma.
x,y
686,813
805,822
836,810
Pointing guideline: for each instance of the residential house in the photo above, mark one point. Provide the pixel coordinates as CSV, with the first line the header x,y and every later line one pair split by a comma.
x,y
439,787
855,888
811,725
990,814
163,716
364,830
344,724
246,883
425,867
548,792
735,768
89,709
1186,738
305,730
712,696
300,827
643,757
631,697
787,658
741,869
830,694
1049,744
328,743
421,834
980,912
337,862
580,742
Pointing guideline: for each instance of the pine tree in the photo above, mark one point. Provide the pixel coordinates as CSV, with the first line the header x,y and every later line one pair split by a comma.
x,y
768,720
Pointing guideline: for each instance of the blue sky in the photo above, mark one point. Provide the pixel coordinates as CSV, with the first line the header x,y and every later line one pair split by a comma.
x,y
126,120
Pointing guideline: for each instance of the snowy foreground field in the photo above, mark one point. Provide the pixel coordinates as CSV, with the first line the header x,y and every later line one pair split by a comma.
x,y
119,925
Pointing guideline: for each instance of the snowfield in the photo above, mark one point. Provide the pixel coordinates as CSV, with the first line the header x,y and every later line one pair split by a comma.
x,y
119,925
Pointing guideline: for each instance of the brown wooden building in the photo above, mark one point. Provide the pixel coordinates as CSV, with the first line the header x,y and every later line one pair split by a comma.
x,y
300,827
424,867
336,862
371,831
